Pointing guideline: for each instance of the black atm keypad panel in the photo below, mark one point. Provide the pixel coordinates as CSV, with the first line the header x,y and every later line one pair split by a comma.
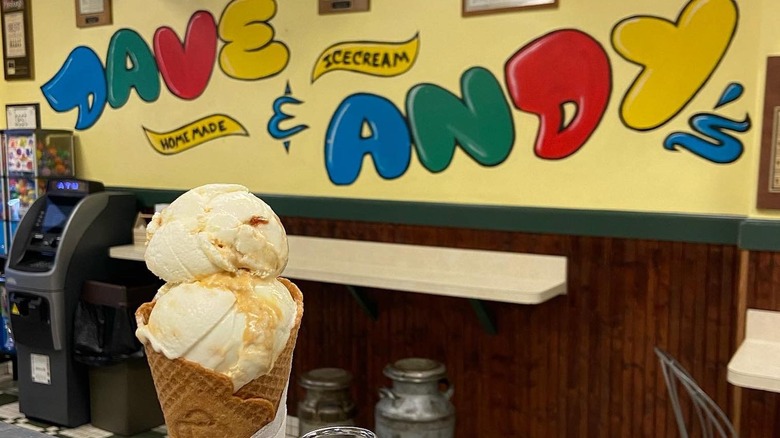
x,y
39,219
41,240
44,242
39,265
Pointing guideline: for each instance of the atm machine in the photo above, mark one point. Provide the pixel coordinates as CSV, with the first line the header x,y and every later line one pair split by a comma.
x,y
63,240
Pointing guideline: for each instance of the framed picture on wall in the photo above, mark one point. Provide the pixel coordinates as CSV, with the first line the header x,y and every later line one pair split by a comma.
x,y
23,116
17,39
479,7
768,194
93,13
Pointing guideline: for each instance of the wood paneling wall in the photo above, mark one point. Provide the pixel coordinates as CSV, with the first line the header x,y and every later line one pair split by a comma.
x,y
580,365
760,410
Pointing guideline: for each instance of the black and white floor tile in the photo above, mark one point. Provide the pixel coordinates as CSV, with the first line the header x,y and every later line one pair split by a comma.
x,y
9,413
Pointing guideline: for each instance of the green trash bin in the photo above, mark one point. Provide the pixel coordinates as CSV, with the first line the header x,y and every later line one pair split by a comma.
x,y
123,399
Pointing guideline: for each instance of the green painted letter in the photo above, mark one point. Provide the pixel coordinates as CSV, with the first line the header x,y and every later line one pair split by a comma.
x,y
481,123
130,64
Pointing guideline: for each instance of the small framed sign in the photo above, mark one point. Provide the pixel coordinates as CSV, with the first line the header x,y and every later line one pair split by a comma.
x,y
768,194
93,13
479,7
23,116
336,6
17,39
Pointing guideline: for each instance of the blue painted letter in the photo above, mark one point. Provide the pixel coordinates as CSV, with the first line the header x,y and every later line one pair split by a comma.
x,y
80,83
366,124
723,148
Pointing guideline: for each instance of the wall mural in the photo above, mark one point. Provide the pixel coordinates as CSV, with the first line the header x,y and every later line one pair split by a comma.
x,y
564,78
677,59
275,122
371,58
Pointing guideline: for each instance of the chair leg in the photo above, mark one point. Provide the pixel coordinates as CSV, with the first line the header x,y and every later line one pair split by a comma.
x,y
671,386
714,422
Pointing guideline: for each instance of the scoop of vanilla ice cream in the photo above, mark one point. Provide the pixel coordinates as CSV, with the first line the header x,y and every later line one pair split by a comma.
x,y
234,324
215,228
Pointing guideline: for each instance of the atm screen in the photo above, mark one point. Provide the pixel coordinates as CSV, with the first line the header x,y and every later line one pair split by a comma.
x,y
58,211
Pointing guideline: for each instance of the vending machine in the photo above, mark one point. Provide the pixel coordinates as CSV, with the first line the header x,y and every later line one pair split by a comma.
x,y
31,157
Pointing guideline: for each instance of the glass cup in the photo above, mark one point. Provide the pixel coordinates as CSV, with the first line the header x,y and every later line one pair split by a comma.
x,y
341,431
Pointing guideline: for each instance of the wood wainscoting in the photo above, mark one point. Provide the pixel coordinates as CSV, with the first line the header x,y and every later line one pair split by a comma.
x,y
759,411
579,365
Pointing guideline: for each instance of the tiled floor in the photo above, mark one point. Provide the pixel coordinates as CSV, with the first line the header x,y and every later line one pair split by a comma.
x,y
9,413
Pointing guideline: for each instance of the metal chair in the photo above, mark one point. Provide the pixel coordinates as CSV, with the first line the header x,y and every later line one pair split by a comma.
x,y
712,419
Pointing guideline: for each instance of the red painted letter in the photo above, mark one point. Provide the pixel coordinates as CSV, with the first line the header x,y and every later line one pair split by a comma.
x,y
186,68
565,66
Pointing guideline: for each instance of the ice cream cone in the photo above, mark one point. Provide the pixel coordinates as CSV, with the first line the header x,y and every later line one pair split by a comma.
x,y
199,403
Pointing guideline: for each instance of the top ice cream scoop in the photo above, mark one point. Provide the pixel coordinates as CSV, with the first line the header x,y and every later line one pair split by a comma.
x,y
215,228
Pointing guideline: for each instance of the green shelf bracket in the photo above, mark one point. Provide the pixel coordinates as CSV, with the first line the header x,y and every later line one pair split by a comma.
x,y
368,306
484,316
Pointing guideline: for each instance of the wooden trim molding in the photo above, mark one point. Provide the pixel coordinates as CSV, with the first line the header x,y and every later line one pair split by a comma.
x,y
759,235
749,234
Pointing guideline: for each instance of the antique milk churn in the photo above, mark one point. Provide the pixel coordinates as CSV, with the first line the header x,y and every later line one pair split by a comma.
x,y
327,402
415,407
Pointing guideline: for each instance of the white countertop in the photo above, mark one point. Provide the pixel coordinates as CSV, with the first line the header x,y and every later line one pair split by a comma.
x,y
488,275
756,364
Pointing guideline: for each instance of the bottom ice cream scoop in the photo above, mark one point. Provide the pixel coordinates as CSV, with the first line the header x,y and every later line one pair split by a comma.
x,y
232,323
200,403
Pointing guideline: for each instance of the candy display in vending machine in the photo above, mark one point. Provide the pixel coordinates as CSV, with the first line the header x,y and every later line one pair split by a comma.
x,y
31,157
5,241
6,336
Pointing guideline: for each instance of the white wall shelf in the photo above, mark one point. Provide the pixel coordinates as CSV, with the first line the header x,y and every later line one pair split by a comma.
x,y
485,275
756,364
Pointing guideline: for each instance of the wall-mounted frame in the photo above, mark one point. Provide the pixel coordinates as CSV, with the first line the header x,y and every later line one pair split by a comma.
x,y
17,39
23,116
480,7
768,193
93,13
339,6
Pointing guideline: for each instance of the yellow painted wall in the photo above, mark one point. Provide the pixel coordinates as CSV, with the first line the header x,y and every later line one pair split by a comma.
x,y
617,169
768,44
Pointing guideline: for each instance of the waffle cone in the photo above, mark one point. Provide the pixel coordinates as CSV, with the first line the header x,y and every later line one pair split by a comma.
x,y
199,403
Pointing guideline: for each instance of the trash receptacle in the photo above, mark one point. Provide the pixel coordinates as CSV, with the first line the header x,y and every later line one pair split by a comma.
x,y
122,395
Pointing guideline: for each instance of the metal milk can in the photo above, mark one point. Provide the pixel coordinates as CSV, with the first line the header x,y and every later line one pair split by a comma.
x,y
327,402
415,407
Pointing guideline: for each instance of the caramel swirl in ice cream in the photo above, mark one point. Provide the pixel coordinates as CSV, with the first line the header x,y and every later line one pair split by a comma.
x,y
220,249
215,228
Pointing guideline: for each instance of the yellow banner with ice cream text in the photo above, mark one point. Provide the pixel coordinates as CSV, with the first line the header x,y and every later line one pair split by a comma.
x,y
371,58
